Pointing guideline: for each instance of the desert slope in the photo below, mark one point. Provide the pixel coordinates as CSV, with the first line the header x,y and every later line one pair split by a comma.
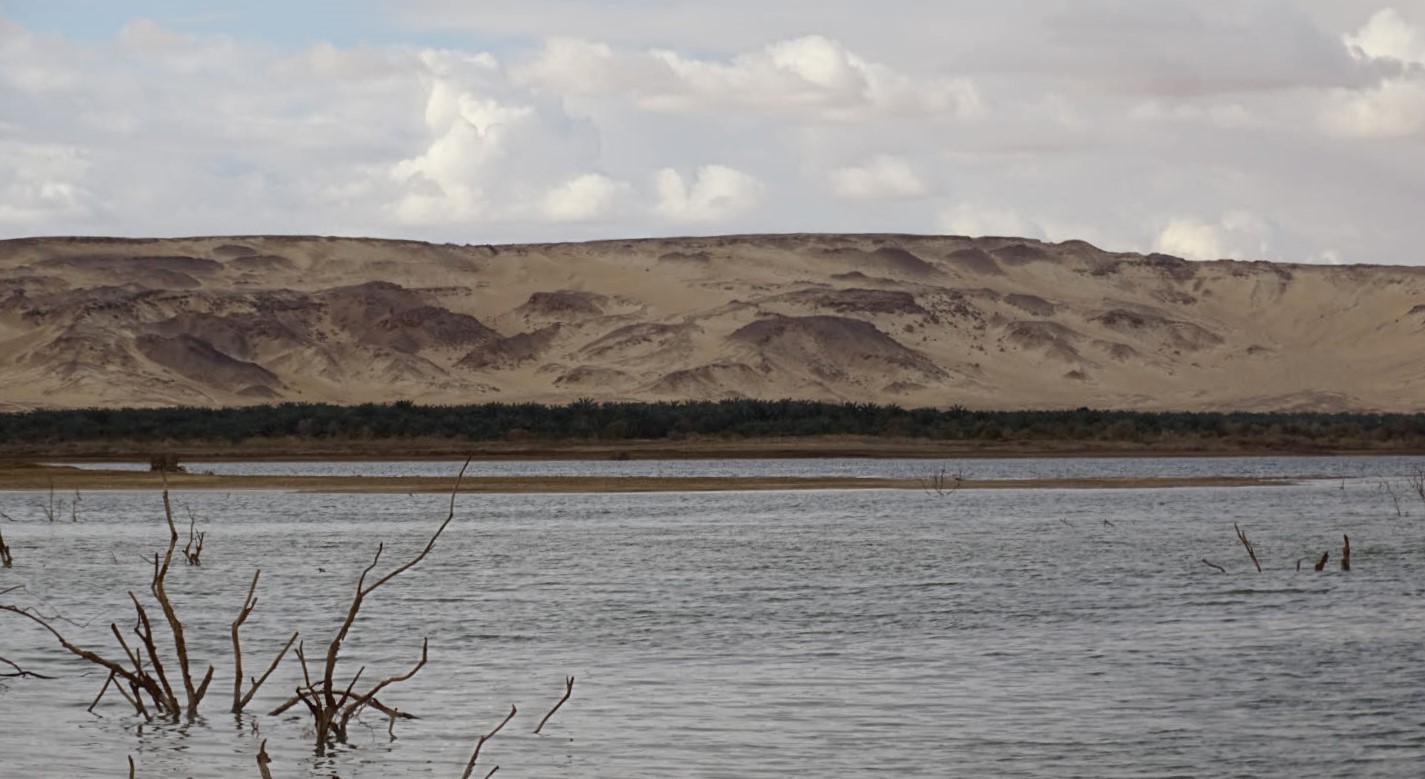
x,y
913,320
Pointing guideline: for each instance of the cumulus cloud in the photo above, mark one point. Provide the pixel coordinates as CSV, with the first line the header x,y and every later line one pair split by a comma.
x,y
716,193
811,77
1236,235
586,197
1134,124
882,177
1387,35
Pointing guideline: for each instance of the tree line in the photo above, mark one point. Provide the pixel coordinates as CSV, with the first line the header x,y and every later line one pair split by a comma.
x,y
595,421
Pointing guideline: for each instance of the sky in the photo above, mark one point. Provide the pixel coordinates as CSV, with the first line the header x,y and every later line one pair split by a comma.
x,y
1289,130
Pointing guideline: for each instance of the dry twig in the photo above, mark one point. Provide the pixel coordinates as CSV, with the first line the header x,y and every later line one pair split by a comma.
x,y
470,766
1205,561
1251,551
263,760
568,690
1346,553
241,699
331,709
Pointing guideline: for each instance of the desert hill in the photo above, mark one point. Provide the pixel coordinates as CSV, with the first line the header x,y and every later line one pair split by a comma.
x,y
912,320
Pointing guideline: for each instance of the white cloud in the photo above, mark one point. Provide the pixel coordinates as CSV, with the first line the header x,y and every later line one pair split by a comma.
x,y
718,193
1394,109
882,177
1097,119
1237,235
810,78
586,197
974,220
1387,35
42,182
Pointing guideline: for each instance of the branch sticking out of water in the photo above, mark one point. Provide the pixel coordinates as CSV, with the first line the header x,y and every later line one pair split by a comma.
x,y
331,707
263,760
5,559
240,699
568,690
470,766
1208,562
1251,551
1321,564
1346,553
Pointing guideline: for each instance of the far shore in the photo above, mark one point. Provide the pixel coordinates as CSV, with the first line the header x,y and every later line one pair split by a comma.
x,y
665,449
32,477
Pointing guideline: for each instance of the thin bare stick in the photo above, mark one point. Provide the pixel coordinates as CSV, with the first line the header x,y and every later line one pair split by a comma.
x,y
328,705
1206,561
361,701
5,559
110,665
240,700
470,766
131,767
1346,553
263,760
568,690
1321,564
144,630
175,625
1251,552
19,673
102,690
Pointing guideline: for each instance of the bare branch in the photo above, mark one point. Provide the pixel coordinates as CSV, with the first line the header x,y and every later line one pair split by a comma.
x,y
263,760
180,645
110,665
20,673
470,766
1251,551
568,690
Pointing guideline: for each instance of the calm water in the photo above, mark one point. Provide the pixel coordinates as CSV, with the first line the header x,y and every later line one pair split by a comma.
x,y
836,633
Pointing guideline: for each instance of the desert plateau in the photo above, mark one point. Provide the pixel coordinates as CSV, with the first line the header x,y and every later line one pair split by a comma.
x,y
912,320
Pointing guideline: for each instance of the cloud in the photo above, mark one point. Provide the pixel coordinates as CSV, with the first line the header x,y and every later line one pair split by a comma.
x,y
42,182
882,177
1387,35
809,78
586,197
975,220
717,193
1236,235
1133,123
1394,109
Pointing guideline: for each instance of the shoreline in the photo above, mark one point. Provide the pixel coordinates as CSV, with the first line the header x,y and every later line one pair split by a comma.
x,y
831,447
23,477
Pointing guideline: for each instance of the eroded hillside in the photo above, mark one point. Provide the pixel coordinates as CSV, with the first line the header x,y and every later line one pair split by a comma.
x,y
986,323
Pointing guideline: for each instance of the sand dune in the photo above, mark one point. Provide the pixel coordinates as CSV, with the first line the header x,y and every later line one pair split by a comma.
x,y
914,320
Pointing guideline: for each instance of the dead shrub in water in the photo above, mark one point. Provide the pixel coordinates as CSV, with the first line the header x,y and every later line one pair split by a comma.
x,y
139,675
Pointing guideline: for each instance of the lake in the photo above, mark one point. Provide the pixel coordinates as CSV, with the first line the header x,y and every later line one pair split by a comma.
x,y
996,633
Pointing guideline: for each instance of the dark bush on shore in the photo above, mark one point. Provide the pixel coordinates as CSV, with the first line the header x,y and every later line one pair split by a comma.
x,y
591,421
